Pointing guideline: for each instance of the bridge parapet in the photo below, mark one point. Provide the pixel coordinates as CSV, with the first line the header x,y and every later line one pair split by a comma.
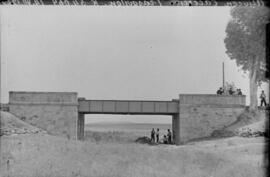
x,y
63,98
213,99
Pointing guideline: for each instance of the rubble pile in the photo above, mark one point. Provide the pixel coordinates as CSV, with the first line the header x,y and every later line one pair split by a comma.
x,y
248,124
12,125
144,140
250,132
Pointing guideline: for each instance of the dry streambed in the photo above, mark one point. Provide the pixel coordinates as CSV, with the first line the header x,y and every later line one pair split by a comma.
x,y
41,155
44,155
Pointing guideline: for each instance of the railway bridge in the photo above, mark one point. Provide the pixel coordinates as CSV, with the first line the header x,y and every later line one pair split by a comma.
x,y
63,113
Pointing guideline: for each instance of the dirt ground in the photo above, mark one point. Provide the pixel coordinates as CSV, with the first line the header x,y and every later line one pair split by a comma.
x,y
37,154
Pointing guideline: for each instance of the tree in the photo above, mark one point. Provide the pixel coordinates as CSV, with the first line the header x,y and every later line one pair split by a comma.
x,y
246,44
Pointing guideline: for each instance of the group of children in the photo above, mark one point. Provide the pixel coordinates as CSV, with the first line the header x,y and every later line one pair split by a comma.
x,y
167,139
231,91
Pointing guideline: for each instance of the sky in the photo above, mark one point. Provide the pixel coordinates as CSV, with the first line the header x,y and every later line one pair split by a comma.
x,y
128,53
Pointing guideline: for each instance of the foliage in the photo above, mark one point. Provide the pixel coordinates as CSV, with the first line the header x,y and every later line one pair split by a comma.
x,y
246,44
246,39
228,86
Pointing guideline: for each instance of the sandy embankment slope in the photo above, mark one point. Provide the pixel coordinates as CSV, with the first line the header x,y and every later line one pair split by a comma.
x,y
11,125
42,155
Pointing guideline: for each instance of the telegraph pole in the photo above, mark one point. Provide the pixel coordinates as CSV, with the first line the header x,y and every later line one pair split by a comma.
x,y
223,76
0,55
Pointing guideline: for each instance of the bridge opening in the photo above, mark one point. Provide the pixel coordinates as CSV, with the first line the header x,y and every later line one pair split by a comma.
x,y
129,107
124,128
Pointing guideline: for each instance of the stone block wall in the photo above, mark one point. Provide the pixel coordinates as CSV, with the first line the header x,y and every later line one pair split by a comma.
x,y
55,112
200,115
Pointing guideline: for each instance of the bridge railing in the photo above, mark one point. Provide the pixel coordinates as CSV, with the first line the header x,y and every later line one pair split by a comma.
x,y
127,107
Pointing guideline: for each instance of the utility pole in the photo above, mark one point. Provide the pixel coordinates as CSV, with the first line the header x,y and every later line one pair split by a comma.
x,y
0,55
223,76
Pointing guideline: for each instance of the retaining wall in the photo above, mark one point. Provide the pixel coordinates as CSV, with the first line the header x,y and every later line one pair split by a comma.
x,y
200,115
55,112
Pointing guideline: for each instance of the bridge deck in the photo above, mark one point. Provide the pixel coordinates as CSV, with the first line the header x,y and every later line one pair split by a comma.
x,y
128,107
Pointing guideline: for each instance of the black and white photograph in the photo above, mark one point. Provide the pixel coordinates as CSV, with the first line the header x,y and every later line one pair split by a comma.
x,y
154,88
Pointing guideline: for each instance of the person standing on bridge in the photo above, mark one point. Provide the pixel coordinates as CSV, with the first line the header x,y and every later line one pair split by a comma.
x,y
157,135
153,135
262,97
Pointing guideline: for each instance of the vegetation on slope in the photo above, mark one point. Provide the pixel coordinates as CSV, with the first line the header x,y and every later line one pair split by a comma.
x,y
43,155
